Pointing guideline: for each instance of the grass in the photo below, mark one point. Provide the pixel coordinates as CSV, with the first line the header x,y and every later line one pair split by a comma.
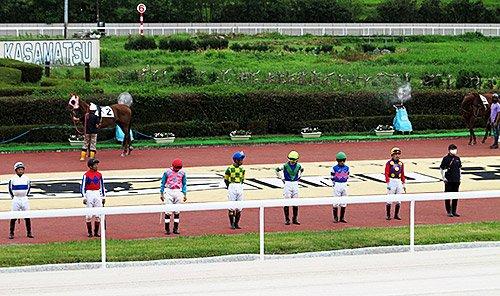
x,y
218,245
434,55
255,140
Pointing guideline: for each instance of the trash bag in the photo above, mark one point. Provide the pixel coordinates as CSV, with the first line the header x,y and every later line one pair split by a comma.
x,y
119,134
401,121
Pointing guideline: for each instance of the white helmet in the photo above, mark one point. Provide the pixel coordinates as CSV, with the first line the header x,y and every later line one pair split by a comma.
x,y
19,165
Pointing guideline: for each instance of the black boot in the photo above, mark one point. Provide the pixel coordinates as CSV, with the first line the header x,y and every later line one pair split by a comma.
x,y
454,204
342,213
295,217
447,206
176,223
335,214
89,229
28,227
96,228
231,219
396,212
388,212
237,219
167,224
12,228
286,210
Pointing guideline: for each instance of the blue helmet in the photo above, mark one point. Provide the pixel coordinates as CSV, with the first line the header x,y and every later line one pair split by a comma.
x,y
240,155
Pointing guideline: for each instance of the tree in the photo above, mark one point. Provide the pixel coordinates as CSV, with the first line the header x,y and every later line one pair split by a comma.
x,y
431,11
397,11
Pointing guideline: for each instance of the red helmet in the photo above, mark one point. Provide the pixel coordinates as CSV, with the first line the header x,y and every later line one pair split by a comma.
x,y
177,164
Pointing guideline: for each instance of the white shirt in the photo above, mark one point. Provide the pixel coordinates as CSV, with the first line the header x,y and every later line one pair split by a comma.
x,y
19,186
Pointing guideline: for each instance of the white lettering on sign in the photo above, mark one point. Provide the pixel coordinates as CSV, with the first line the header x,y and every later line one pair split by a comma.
x,y
57,52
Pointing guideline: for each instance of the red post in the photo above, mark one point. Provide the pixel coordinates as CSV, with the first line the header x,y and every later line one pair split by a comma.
x,y
141,27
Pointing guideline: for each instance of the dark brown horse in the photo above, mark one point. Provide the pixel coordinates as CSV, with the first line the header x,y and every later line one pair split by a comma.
x,y
473,109
122,116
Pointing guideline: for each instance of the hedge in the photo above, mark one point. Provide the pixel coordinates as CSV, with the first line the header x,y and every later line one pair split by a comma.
x,y
206,129
30,72
10,75
268,112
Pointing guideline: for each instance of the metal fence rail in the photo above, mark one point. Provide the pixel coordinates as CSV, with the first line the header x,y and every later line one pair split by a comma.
x,y
261,204
285,29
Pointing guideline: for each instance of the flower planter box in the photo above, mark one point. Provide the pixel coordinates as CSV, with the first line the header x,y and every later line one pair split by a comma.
x,y
311,135
240,137
384,133
166,140
75,142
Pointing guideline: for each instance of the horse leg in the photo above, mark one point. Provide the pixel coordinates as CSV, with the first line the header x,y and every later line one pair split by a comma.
x,y
126,139
472,123
487,131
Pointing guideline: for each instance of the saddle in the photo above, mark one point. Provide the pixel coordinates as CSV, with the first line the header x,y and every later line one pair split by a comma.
x,y
484,101
102,111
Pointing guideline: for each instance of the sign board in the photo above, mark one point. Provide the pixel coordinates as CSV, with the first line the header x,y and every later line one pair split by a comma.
x,y
58,52
141,8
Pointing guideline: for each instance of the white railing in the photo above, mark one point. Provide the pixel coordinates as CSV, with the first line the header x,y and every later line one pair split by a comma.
x,y
261,204
286,29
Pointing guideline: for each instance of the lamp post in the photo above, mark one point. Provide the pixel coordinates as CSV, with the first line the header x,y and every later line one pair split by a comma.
x,y
66,19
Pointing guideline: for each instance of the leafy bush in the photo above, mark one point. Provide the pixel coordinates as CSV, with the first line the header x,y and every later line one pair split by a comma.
x,y
178,43
10,75
466,79
187,76
29,72
432,80
212,42
140,43
250,47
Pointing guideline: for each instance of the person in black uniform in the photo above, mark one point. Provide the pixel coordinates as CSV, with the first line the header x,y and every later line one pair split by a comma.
x,y
451,172
92,122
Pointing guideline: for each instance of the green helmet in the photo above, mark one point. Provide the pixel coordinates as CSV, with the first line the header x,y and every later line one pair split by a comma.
x,y
341,156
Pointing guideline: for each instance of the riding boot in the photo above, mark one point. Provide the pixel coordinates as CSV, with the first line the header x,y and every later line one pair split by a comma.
x,y
388,212
454,204
12,228
167,224
335,214
89,229
342,213
176,223
96,228
396,212
83,154
286,210
237,219
92,154
295,217
231,219
447,205
28,227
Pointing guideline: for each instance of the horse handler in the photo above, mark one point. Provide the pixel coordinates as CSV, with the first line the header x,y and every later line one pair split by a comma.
x,y
495,120
93,194
91,126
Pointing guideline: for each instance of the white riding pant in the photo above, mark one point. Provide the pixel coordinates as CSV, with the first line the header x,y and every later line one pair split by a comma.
x,y
395,186
94,200
20,203
173,197
291,189
340,189
235,193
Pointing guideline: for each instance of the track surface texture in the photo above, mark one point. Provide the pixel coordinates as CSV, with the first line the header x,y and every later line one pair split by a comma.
x,y
216,222
452,272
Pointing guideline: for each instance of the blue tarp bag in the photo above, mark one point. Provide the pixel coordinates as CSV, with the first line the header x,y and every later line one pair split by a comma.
x,y
401,121
119,135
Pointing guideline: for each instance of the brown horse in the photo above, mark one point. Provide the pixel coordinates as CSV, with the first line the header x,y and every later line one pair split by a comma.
x,y
474,109
122,116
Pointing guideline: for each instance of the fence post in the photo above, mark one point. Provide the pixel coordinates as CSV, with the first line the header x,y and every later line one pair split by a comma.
x,y
412,226
103,241
261,232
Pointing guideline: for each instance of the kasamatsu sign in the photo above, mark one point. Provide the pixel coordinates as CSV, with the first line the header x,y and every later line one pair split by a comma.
x,y
58,52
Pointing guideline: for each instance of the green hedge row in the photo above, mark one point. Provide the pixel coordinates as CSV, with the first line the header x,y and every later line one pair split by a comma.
x,y
275,112
10,75
29,72
205,129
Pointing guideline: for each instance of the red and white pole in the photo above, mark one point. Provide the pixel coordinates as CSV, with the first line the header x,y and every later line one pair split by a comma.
x,y
141,27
